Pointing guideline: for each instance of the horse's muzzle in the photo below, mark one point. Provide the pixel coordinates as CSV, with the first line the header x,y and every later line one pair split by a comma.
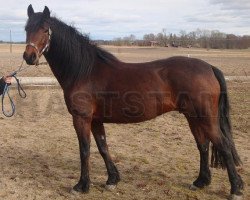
x,y
30,59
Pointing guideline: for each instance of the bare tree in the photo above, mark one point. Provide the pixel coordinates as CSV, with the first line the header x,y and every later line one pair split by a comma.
x,y
149,37
200,38
162,38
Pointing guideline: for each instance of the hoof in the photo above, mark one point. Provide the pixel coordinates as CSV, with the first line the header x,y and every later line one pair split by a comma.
x,y
110,187
81,188
235,197
193,187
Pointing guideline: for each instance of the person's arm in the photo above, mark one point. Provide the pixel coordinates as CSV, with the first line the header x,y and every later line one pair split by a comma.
x,y
3,81
2,85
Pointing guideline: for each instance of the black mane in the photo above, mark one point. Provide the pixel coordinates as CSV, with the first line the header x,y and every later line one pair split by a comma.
x,y
69,49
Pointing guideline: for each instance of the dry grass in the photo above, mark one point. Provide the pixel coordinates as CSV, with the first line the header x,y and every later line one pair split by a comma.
x,y
157,159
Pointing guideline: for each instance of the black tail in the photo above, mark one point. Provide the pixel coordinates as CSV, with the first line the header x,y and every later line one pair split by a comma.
x,y
225,124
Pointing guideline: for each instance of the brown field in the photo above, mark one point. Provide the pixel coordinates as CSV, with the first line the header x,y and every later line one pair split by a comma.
x,y
231,62
157,159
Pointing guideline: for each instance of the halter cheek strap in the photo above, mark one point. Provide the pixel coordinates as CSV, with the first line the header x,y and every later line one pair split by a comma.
x,y
45,48
33,45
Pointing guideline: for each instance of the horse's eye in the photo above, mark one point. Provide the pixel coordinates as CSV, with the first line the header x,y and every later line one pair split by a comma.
x,y
46,31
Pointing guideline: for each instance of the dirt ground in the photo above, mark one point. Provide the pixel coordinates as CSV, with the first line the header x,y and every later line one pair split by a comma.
x,y
157,159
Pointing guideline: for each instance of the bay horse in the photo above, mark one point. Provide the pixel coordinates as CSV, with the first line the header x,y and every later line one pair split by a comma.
x,y
98,88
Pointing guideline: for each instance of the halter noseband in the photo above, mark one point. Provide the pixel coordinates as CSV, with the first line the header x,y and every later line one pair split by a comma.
x,y
45,48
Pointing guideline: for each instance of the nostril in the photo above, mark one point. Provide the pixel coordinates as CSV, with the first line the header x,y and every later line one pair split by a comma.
x,y
33,57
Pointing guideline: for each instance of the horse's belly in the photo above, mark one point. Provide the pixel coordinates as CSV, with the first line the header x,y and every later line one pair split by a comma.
x,y
133,108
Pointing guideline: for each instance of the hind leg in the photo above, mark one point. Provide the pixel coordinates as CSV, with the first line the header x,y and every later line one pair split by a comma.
x,y
207,129
213,132
100,138
204,177
225,150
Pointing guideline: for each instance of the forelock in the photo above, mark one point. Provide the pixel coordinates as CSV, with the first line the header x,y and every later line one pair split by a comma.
x,y
35,22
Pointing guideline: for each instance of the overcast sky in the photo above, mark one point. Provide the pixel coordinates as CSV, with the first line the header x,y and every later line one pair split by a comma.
x,y
108,19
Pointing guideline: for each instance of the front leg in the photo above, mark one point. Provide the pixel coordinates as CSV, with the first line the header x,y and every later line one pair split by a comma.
x,y
82,126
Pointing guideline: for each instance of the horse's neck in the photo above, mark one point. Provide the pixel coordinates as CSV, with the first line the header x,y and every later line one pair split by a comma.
x,y
54,66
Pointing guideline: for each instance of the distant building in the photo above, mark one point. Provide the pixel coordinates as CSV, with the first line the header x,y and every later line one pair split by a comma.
x,y
154,43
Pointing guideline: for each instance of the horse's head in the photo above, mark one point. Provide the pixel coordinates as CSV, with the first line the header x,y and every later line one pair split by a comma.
x,y
38,35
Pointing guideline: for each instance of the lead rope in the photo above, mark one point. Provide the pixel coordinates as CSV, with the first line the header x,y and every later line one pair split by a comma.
x,y
21,93
20,90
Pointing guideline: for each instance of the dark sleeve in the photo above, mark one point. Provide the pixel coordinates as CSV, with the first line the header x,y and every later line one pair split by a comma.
x,y
2,85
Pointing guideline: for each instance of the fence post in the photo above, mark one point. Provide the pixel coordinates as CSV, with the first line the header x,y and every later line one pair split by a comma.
x,y
10,42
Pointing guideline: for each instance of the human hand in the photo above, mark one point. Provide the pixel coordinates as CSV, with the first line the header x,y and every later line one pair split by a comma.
x,y
7,79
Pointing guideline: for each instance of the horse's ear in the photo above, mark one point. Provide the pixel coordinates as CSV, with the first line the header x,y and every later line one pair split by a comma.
x,y
46,12
30,11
